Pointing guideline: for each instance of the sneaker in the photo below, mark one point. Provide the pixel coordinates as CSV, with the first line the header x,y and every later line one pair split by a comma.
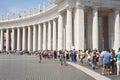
x,y
110,72
103,73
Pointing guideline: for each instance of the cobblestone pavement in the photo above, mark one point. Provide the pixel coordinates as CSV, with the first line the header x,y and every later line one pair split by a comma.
x,y
13,67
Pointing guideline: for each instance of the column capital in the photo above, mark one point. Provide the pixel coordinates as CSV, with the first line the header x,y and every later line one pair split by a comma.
x,y
13,28
95,7
60,13
50,21
39,24
18,27
69,8
79,6
117,10
24,27
34,25
7,28
54,19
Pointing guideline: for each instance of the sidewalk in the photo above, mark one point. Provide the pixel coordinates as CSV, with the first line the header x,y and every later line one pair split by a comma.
x,y
96,74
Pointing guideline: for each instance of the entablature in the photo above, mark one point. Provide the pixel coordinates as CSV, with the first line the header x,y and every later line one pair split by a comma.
x,y
38,18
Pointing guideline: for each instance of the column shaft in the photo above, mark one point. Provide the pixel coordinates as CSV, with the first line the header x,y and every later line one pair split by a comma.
x,y
54,35
13,39
60,31
69,29
79,32
29,38
18,39
7,40
2,39
95,29
24,39
39,37
49,35
34,38
117,30
44,37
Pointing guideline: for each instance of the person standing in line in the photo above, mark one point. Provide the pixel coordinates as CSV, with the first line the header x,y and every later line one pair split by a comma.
x,y
55,54
118,62
89,58
94,60
61,59
106,61
113,61
82,57
40,56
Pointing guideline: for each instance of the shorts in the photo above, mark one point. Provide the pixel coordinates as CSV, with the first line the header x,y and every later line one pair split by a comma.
x,y
106,65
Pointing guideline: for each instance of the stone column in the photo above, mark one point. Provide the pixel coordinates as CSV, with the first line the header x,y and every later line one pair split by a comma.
x,y
34,38
39,37
29,38
95,29
2,39
117,30
7,40
44,37
79,32
13,39
54,34
24,39
69,29
18,39
49,35
60,31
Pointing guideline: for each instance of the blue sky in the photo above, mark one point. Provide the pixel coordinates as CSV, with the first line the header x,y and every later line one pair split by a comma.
x,y
8,7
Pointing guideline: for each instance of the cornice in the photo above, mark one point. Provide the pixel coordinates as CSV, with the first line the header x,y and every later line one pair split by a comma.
x,y
101,3
62,6
58,1
44,16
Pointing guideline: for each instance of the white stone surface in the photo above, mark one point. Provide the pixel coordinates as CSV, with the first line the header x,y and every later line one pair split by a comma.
x,y
117,29
24,39
69,29
13,39
18,39
79,28
1,40
49,36
29,38
44,36
95,29
60,27
39,37
34,38
7,40
54,35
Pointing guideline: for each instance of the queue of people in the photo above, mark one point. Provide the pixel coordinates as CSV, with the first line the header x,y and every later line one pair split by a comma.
x,y
107,59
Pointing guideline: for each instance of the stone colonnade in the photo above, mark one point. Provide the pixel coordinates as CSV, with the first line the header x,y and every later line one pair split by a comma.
x,y
49,35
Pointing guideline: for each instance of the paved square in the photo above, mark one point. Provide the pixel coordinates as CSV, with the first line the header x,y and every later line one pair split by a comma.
x,y
13,67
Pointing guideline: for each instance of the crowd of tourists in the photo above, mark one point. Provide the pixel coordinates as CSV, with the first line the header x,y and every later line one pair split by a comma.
x,y
106,59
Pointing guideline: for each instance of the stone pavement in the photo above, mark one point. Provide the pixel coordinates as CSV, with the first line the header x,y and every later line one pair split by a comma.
x,y
14,67
94,73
